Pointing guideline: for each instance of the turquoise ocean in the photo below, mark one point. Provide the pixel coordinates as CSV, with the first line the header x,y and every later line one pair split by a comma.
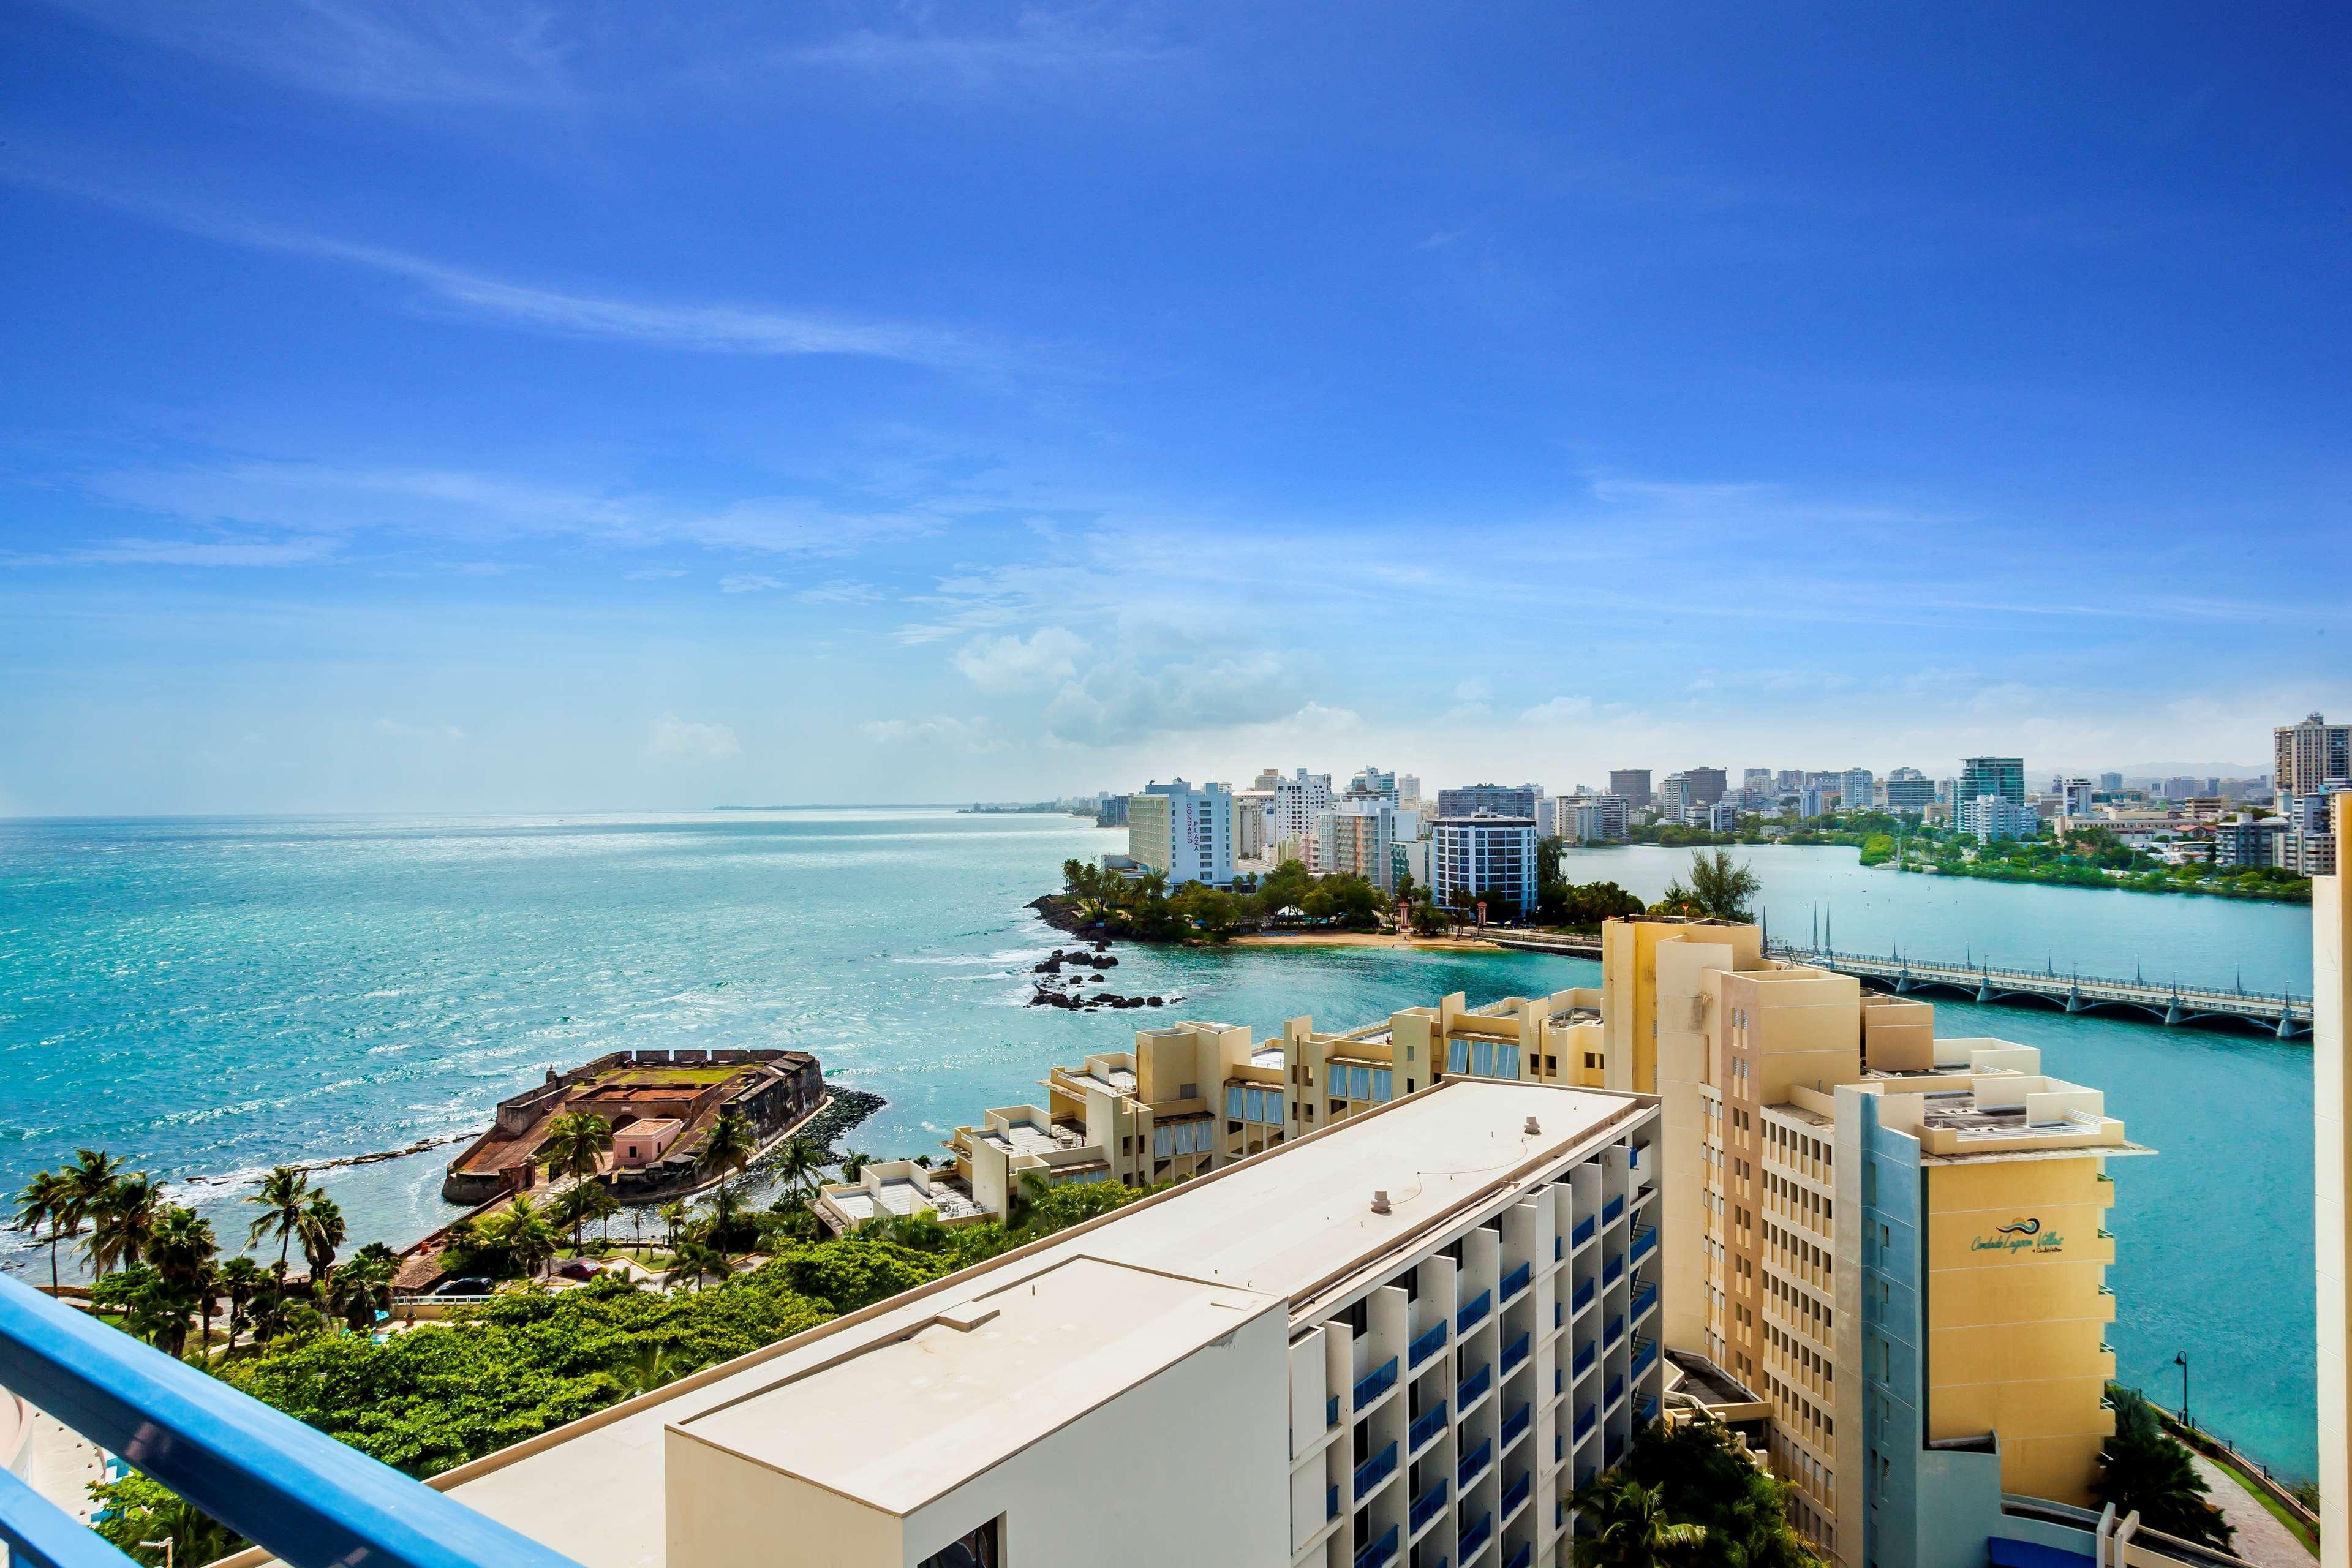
x,y
210,997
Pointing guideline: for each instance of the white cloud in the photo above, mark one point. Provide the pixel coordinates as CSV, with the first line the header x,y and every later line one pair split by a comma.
x,y
685,740
298,551
840,591
1118,702
656,574
1560,710
960,735
748,583
400,731
1001,666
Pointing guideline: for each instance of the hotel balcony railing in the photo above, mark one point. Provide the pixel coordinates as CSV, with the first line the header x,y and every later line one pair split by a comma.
x,y
1584,1420
1612,1333
1514,1354
1377,1553
1473,1539
1649,1410
1516,1423
1517,1280
1615,1393
1428,1505
1331,1410
309,1500
1611,1210
1474,1310
1581,1296
1583,1362
1331,1500
1559,1381
1425,1427
1646,1241
1516,1493
1375,1382
1616,1448
1644,1297
1645,1356
1522,1557
1473,1387
1427,1346
1473,1464
1375,1470
1559,1247
1613,1270
1583,1232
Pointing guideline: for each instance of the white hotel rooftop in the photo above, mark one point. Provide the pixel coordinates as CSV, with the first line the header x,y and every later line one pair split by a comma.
x,y
1261,1366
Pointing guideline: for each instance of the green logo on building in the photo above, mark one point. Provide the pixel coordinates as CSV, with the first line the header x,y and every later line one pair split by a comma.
x,y
2019,1235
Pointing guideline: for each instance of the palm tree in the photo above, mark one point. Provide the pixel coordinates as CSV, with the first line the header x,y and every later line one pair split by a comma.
x,y
122,1223
283,1193
673,1215
363,1287
698,1259
522,1231
601,1207
319,1228
853,1164
242,1279
1631,1528
89,1179
576,1144
48,1202
801,1162
729,1145
182,1249
573,1207
2148,1469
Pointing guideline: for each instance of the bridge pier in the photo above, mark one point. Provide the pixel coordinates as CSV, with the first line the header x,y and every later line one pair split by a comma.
x,y
2073,998
1984,991
2172,1013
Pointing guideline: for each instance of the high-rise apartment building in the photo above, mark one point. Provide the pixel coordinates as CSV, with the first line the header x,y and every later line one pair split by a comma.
x,y
1185,833
2310,754
1409,792
1632,784
1355,835
2003,776
1493,800
2331,1086
1373,783
2074,797
1483,857
1706,785
1593,819
1991,816
1297,802
1253,823
1405,1337
1857,791
1909,790
1675,798
2110,783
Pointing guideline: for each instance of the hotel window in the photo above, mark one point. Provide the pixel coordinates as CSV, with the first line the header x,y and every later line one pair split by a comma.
x,y
1233,1100
1458,1057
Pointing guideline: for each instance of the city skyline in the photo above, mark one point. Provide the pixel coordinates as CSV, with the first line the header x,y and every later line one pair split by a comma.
x,y
479,408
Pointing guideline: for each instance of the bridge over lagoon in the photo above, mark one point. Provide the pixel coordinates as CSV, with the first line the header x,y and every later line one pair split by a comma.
x,y
2282,1014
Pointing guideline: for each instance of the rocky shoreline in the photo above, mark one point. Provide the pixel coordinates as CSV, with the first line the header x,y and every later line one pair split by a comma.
x,y
1054,988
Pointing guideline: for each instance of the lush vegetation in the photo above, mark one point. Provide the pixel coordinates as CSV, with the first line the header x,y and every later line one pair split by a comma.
x,y
2146,1468
1142,909
1575,906
1717,889
1688,1496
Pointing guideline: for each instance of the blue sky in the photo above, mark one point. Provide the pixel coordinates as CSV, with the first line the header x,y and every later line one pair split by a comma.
x,y
465,407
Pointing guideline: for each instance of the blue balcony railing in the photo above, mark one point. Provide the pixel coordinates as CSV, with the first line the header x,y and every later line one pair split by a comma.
x,y
1427,1346
1426,1426
1516,1493
1473,1539
1611,1210
1645,1356
1581,1296
1559,1247
1473,1464
1428,1504
1616,1448
1583,1232
1646,1241
1644,1297
1649,1411
1610,1335
1558,1379
1612,1271
1472,1388
1514,1354
1331,1500
1516,1280
1377,1553
1584,1420
292,1488
1375,1382
1559,1314
1331,1410
1583,1362
1516,1423
1616,1392
1522,1557
1375,1470
1474,1310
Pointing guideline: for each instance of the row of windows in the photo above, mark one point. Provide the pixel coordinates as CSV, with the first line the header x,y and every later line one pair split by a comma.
x,y
1171,1139
1482,1059
1243,1103
1811,1209
1798,1148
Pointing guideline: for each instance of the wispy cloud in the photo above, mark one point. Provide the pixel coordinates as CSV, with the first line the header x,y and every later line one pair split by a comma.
x,y
960,735
400,731
298,551
681,740
749,582
840,591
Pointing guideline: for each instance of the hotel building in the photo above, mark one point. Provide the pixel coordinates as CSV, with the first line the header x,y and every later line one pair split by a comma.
x,y
1401,1340
1183,833
1358,835
1483,857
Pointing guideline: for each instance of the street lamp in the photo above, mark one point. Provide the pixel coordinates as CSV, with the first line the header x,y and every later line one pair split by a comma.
x,y
2181,1360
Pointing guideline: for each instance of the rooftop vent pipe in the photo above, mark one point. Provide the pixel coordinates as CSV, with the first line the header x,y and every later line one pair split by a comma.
x,y
1380,1200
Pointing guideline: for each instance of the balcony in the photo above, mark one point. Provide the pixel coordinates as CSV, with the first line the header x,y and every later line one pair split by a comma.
x,y
1609,1336
1522,1557
1331,1502
1427,1346
306,1498
1645,1356
1613,1270
1645,1242
1516,1423
1331,1412
1644,1297
1584,1420
1616,1449
1649,1411
1558,1248
1375,1382
1428,1505
1380,1552
1611,1210
1474,1311
1516,1280
1581,1233
1616,1390
1514,1354
1475,1539
1473,1464
1425,1427
1375,1470
1514,1494
1581,1298
1472,1388
1583,1362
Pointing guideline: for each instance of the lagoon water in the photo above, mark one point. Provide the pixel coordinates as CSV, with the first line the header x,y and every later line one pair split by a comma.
x,y
209,997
